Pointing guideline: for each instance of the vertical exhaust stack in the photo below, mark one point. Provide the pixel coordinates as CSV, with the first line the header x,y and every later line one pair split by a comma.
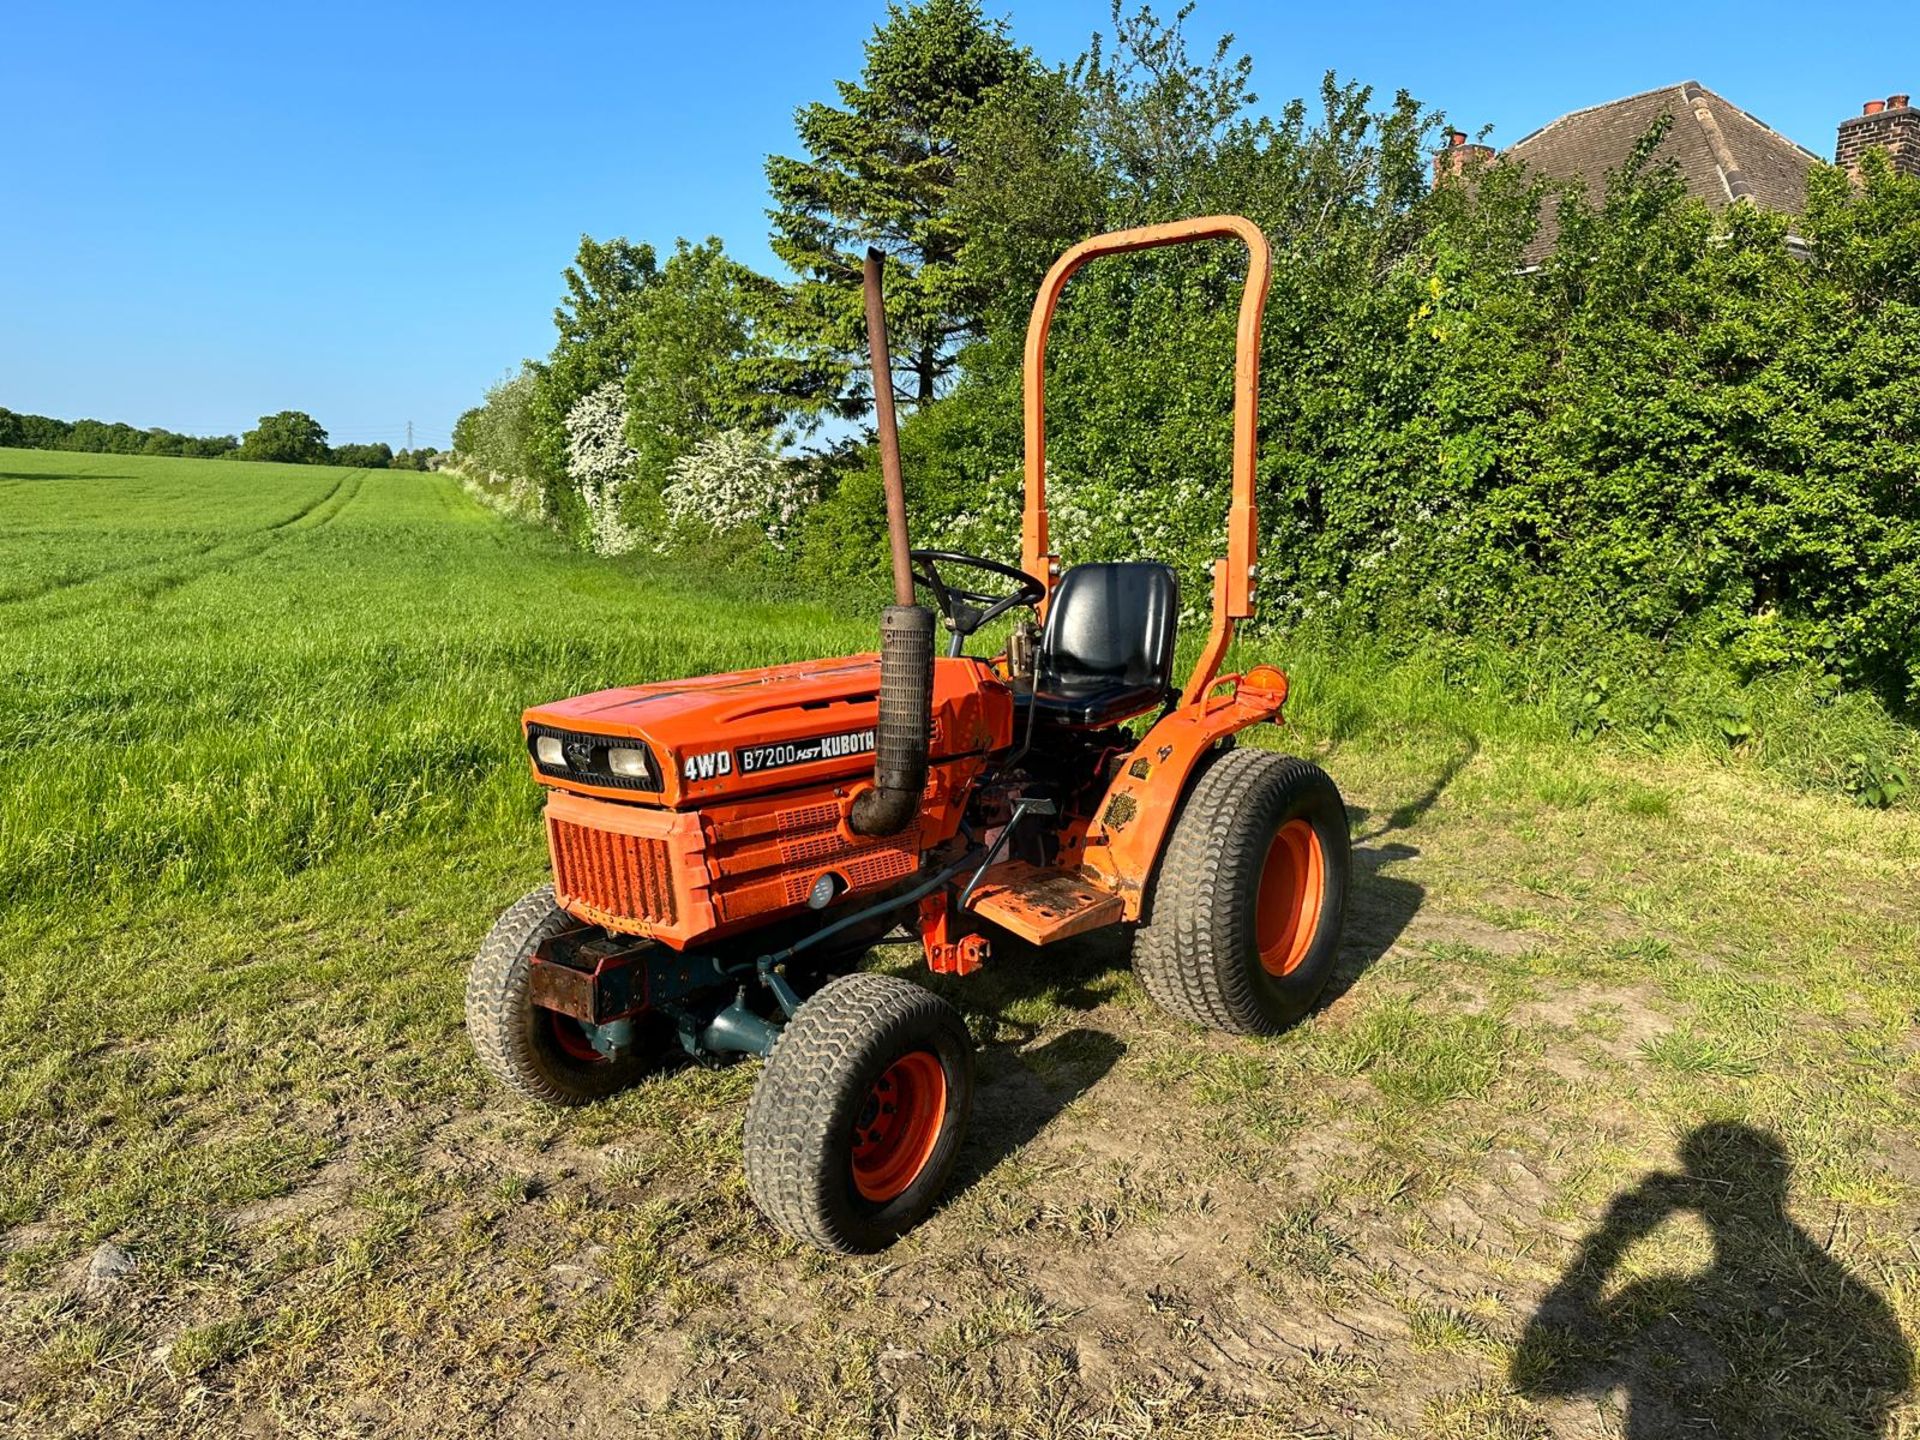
x,y
905,731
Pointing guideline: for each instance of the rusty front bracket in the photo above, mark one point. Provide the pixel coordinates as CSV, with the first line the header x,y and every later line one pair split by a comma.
x,y
949,953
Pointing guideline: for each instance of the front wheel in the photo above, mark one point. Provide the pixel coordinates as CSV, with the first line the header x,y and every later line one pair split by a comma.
x,y
857,1119
538,1054
1250,897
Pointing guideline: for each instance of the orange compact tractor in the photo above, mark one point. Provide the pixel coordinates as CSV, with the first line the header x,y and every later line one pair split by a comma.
x,y
726,848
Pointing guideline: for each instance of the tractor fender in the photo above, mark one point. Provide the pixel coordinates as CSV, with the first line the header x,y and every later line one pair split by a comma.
x,y
1131,824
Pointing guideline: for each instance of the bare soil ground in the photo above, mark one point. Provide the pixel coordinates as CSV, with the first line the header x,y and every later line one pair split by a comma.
x,y
1345,1231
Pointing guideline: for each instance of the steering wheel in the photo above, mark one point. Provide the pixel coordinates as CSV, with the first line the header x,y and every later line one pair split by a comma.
x,y
966,611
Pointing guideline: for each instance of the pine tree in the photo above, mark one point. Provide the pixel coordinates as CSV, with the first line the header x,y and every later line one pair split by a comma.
x,y
879,170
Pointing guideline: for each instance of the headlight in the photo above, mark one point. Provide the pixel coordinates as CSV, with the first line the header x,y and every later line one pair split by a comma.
x,y
618,761
630,764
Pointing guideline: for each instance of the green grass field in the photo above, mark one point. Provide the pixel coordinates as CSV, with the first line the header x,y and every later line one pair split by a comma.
x,y
261,793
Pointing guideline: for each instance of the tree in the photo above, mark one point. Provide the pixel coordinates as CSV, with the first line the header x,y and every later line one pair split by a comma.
x,y
467,431
1028,186
104,438
292,437
604,283
879,170
365,457
41,432
1157,118
495,439
700,359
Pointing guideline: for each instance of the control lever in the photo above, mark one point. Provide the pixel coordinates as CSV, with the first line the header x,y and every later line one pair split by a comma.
x,y
1027,805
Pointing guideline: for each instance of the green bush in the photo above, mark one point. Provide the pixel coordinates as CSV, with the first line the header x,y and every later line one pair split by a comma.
x,y
1680,431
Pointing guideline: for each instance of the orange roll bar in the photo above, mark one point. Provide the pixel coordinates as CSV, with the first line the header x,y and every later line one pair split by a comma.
x,y
1232,577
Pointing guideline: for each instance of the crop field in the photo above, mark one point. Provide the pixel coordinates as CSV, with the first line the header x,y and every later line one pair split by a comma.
x,y
1610,1126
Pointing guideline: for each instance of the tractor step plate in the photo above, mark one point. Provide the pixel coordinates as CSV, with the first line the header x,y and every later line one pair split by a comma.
x,y
1042,906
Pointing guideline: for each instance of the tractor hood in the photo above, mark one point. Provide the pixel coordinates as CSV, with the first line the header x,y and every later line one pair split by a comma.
x,y
751,730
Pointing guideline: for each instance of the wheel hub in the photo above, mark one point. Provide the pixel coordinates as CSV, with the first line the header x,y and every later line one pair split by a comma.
x,y
579,1040
1293,882
899,1126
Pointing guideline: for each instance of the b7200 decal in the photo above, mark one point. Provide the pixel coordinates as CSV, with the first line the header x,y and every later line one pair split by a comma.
x,y
755,758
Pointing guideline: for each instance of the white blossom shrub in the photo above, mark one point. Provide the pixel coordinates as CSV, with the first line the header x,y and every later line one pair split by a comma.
x,y
600,464
1098,518
734,481
513,496
1183,524
989,525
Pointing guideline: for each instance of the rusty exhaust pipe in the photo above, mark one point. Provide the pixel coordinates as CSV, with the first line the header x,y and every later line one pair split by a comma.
x,y
905,731
889,433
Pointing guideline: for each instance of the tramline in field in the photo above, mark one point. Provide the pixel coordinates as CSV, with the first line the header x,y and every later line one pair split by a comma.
x,y
726,848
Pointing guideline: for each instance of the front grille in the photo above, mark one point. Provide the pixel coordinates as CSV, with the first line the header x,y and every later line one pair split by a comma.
x,y
615,877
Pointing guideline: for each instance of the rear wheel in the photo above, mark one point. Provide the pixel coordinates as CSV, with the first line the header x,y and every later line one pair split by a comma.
x,y
1250,897
858,1116
538,1054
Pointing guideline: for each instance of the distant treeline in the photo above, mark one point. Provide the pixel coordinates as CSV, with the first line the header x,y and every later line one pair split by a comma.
x,y
43,432
291,437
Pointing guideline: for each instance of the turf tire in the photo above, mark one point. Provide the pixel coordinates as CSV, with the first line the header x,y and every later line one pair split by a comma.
x,y
1198,954
801,1122
514,1038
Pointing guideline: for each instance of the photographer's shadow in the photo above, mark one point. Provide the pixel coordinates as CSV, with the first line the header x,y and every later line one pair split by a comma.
x,y
1773,1339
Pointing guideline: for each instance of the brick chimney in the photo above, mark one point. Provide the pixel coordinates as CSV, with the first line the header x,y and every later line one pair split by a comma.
x,y
1891,124
1458,157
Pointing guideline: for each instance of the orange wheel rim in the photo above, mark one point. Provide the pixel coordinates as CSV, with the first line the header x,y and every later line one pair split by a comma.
x,y
899,1125
571,1037
1293,882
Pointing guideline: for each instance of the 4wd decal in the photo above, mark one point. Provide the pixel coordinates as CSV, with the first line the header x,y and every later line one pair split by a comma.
x,y
707,767
755,758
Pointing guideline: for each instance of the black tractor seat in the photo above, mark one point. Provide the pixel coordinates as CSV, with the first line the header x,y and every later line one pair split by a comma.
x,y
1106,654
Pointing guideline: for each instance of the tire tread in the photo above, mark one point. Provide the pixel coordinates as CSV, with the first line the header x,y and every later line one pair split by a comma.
x,y
790,1154
1186,953
497,1006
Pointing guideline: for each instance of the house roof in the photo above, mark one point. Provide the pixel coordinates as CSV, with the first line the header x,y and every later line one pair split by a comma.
x,y
1724,154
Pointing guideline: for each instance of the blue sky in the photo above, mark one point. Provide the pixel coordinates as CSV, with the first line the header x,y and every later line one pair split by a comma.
x,y
210,212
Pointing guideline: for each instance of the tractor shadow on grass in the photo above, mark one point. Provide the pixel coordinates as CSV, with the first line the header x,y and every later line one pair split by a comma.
x,y
1020,1091
1026,990
1022,1085
1774,1337
1381,906
1405,817
1379,909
